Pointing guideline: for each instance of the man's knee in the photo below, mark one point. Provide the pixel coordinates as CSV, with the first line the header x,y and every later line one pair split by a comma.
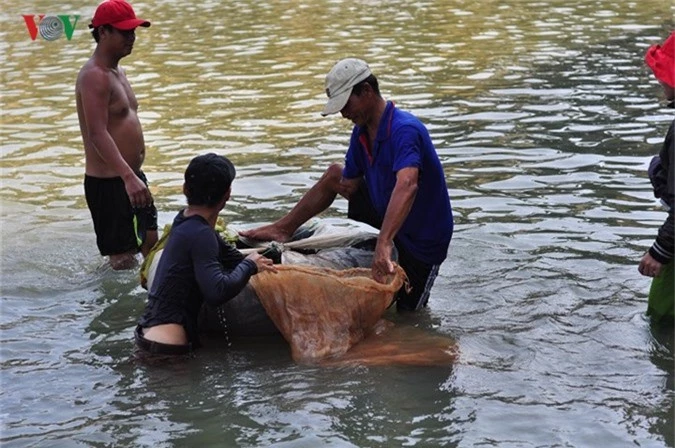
x,y
334,173
121,262
330,180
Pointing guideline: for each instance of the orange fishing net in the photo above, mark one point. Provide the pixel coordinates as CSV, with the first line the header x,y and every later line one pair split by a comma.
x,y
390,344
322,312
334,316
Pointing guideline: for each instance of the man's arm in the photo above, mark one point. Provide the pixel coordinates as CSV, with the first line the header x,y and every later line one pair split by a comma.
x,y
95,92
399,206
229,255
347,187
661,252
217,284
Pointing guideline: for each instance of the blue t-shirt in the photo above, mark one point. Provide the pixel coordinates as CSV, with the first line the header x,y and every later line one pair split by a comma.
x,y
403,141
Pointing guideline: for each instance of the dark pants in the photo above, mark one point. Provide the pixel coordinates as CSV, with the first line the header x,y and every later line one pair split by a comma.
x,y
158,348
421,275
119,228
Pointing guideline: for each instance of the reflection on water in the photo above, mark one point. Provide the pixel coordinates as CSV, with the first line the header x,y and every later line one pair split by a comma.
x,y
544,117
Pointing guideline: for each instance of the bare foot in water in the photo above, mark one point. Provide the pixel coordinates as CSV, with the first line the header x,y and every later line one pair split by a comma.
x,y
267,233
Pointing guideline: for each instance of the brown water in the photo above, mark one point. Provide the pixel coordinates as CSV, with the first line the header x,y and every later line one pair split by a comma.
x,y
545,118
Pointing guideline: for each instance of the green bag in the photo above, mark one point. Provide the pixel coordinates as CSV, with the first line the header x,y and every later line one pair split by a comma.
x,y
662,295
147,262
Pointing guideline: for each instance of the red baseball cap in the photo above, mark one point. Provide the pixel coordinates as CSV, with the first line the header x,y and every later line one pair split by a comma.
x,y
118,14
661,59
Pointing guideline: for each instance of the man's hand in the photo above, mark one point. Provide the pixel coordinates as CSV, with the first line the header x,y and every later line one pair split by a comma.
x,y
399,206
649,266
263,263
382,265
138,192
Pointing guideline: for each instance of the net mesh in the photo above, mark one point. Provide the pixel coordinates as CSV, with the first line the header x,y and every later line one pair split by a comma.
x,y
403,345
323,312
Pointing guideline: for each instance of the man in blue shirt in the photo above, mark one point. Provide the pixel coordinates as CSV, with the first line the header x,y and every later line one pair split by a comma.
x,y
392,178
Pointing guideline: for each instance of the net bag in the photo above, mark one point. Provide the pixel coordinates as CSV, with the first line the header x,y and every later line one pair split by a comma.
x,y
323,312
402,345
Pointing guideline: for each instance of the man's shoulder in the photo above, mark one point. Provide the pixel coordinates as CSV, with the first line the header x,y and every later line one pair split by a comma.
x,y
88,66
404,122
405,118
92,73
193,227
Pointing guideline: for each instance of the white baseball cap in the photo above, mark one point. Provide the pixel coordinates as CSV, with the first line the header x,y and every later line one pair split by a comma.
x,y
340,80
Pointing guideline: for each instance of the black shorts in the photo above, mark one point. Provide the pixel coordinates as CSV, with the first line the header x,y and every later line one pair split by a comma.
x,y
119,227
158,348
421,275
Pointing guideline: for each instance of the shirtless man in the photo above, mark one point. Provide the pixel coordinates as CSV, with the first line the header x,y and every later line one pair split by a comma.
x,y
121,206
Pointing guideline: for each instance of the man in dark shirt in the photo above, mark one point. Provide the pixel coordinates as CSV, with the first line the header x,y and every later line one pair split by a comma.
x,y
658,261
196,266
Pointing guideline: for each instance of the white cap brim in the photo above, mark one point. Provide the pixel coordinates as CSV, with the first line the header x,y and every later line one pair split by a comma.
x,y
336,103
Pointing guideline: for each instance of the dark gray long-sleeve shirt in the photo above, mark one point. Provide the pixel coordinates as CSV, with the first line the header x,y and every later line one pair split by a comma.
x,y
664,188
196,267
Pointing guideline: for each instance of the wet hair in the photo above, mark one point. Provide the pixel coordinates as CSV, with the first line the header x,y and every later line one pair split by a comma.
x,y
372,80
95,31
207,179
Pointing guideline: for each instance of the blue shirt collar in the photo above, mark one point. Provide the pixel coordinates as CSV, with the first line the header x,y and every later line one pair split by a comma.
x,y
384,128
